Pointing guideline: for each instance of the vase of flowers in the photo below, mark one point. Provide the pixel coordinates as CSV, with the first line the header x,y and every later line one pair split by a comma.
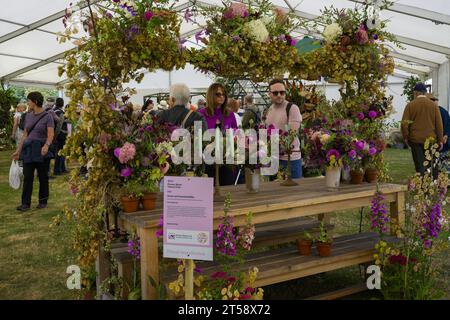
x,y
287,139
252,179
333,177
323,242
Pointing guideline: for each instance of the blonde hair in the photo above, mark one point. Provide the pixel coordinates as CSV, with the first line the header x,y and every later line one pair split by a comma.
x,y
22,106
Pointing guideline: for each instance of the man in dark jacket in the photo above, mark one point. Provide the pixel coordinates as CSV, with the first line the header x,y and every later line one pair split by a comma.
x,y
180,114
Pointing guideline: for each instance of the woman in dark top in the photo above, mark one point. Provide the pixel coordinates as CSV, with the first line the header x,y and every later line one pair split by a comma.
x,y
33,150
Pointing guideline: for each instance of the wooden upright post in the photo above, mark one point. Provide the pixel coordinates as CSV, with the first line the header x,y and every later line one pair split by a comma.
x,y
189,280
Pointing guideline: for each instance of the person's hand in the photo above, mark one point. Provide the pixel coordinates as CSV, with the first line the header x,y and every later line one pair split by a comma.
x,y
15,156
445,139
44,150
441,146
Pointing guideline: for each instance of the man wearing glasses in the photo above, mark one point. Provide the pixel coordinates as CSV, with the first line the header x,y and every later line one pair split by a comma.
x,y
282,113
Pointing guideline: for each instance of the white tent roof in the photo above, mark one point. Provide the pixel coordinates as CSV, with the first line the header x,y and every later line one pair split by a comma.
x,y
30,53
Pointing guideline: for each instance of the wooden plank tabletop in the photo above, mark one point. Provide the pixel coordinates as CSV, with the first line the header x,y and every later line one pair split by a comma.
x,y
272,196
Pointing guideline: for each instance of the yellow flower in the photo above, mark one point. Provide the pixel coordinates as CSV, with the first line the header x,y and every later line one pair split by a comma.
x,y
236,293
224,291
224,298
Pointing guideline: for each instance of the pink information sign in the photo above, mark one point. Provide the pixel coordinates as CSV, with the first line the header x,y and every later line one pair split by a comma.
x,y
188,218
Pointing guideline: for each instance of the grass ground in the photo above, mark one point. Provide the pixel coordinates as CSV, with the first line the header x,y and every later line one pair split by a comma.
x,y
34,258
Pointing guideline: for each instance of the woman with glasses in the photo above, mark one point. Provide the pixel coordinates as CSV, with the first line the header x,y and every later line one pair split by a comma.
x,y
217,114
280,114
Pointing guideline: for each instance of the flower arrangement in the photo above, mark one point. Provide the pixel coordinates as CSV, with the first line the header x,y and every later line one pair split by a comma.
x,y
125,38
246,40
409,267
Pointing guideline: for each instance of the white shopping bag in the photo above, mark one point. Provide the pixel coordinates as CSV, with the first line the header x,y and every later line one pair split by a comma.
x,y
15,174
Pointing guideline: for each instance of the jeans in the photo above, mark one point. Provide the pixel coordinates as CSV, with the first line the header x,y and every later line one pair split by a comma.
x,y
28,178
296,168
60,161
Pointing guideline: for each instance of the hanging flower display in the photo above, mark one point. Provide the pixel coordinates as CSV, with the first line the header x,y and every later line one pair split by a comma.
x,y
246,40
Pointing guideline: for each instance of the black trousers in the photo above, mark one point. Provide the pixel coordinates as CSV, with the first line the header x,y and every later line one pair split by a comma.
x,y
227,175
418,154
28,178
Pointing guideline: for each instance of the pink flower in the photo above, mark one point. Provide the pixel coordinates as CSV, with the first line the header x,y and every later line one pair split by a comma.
x,y
236,10
372,114
127,152
126,172
148,15
361,36
360,116
117,152
352,154
360,145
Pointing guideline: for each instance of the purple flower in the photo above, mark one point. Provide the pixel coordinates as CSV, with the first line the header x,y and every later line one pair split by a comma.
x,y
360,116
198,36
109,15
372,114
126,172
188,15
181,43
379,216
117,152
333,152
359,145
372,151
148,15
293,42
198,270
352,154
282,37
375,37
236,38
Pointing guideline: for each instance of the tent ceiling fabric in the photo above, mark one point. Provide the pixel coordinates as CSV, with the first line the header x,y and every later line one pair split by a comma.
x,y
32,56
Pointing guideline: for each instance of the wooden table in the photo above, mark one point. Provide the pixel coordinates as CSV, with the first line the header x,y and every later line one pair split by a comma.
x,y
271,203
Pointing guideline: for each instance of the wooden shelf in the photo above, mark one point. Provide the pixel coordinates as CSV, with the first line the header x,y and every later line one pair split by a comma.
x,y
285,264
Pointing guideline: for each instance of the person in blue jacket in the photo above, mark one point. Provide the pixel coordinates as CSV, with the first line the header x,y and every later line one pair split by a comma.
x,y
445,122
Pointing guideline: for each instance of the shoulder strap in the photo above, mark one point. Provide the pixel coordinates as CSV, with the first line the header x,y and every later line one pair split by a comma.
x,y
186,117
34,125
258,119
288,110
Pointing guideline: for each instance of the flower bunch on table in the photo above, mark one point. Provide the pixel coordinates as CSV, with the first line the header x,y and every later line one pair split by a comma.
x,y
246,40
140,151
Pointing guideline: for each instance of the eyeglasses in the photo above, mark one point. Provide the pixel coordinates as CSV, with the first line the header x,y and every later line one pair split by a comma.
x,y
276,93
219,94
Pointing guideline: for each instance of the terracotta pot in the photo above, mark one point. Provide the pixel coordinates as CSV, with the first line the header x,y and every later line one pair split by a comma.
x,y
371,175
304,247
90,295
357,177
149,201
129,204
324,249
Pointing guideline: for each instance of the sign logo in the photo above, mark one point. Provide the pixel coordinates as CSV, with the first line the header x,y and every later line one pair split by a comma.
x,y
74,280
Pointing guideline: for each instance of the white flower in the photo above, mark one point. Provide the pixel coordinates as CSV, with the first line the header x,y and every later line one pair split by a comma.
x,y
268,21
373,18
256,30
332,32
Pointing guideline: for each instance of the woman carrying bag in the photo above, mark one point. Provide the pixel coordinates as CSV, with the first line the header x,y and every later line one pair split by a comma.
x,y
33,150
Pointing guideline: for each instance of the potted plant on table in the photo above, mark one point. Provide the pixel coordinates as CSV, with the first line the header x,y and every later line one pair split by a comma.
x,y
356,157
323,242
304,244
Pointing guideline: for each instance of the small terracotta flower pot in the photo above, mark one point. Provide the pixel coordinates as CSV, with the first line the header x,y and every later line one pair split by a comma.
x,y
149,201
304,247
371,175
324,249
357,177
129,204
